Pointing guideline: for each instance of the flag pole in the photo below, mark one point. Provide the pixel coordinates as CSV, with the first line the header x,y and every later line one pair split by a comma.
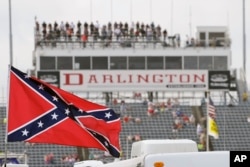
x,y
8,81
10,31
207,115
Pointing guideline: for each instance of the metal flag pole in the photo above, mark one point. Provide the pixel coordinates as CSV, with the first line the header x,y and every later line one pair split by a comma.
x,y
207,115
10,64
244,43
10,31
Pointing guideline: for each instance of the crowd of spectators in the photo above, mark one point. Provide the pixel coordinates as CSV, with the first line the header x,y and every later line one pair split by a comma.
x,y
70,158
110,32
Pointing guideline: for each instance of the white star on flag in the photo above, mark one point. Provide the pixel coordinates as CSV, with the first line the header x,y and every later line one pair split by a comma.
x,y
25,132
55,98
40,124
67,111
54,116
108,115
41,87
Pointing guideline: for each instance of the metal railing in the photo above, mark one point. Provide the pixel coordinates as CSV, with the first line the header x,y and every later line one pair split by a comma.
x,y
125,41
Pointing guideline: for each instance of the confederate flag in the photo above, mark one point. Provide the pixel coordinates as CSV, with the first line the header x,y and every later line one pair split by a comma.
x,y
42,113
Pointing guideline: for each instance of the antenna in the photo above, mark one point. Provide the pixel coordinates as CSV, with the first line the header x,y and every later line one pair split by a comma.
x,y
111,10
150,7
190,21
171,17
90,10
131,11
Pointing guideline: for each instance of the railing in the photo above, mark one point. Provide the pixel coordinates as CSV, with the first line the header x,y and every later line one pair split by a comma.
x,y
125,41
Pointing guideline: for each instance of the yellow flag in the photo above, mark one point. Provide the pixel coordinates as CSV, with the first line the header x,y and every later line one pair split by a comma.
x,y
212,128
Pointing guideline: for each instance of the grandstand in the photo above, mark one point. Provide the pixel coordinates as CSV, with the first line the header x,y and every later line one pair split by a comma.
x,y
148,71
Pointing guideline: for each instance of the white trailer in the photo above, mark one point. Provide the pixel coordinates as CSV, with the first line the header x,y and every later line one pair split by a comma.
x,y
148,147
145,147
194,159
190,159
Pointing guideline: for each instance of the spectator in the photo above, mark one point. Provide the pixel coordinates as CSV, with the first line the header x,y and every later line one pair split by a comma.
x,y
174,128
192,119
62,26
201,146
115,102
37,28
185,119
109,35
137,95
137,137
176,102
178,123
199,130
179,113
79,25
158,32
165,36
187,41
178,40
192,42
67,26
137,120
130,138
117,33
162,107
55,26
248,119
151,109
49,158
245,96
149,33
104,33
44,30
123,107
126,119
72,27
169,104
92,28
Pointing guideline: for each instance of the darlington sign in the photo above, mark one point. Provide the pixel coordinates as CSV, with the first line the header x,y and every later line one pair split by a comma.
x,y
136,80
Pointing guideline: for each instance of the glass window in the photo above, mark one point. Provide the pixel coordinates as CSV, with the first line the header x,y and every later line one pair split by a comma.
x,y
100,63
47,63
206,62
202,38
220,63
136,62
118,62
82,63
154,62
173,62
216,35
191,62
64,63
202,35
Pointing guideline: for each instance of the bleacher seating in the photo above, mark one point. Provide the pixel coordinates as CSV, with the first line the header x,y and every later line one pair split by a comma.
x,y
232,123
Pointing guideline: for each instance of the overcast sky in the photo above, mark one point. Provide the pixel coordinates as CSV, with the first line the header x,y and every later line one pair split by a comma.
x,y
177,16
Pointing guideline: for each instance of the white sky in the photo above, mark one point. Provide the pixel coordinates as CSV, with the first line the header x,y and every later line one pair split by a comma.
x,y
177,16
